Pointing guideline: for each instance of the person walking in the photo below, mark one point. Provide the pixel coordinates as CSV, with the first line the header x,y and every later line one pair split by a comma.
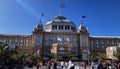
x,y
55,64
104,65
99,65
62,64
92,64
38,65
49,64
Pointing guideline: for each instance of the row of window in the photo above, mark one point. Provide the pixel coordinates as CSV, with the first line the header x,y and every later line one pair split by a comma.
x,y
105,43
99,46
55,38
10,40
62,27
102,42
37,43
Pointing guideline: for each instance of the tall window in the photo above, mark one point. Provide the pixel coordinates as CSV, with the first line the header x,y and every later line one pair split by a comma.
x,y
107,42
74,38
10,41
37,43
74,44
27,40
37,37
84,38
21,45
16,39
5,39
26,45
97,47
102,46
92,46
67,27
53,42
47,43
73,29
84,44
60,43
47,38
60,27
54,38
97,43
21,40
54,27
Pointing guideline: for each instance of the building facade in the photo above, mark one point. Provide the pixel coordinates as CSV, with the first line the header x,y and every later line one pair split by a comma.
x,y
61,34
111,51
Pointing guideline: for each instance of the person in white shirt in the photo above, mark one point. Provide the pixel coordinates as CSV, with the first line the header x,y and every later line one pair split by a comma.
x,y
62,64
92,64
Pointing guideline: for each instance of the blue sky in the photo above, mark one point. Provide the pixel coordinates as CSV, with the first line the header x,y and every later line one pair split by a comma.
x,y
21,16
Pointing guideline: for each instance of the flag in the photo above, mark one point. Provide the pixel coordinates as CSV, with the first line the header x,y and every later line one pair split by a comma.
x,y
59,39
67,39
62,5
83,16
38,51
42,14
88,52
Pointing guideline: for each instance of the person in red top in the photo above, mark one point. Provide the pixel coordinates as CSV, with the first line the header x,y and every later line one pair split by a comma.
x,y
85,66
104,65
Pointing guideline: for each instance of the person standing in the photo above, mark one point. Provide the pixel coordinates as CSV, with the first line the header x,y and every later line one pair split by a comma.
x,y
49,64
100,65
92,64
104,65
38,65
55,64
62,64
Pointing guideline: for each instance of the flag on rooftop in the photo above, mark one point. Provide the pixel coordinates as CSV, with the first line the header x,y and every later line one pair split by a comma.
x,y
42,14
62,5
83,16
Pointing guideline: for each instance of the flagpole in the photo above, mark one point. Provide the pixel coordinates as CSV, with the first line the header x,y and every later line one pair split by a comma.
x,y
82,19
61,6
88,56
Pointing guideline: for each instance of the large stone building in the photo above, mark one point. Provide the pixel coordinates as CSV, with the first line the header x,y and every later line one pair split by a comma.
x,y
61,34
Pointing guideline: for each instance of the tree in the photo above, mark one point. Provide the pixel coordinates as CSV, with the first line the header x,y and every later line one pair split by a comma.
x,y
3,47
3,53
91,58
72,57
20,55
117,55
57,57
102,56
35,58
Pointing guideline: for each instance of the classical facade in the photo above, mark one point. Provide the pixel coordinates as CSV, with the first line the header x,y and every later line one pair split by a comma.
x,y
61,34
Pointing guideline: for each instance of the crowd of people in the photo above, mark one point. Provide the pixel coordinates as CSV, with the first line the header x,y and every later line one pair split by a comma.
x,y
77,65
63,65
105,65
52,64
